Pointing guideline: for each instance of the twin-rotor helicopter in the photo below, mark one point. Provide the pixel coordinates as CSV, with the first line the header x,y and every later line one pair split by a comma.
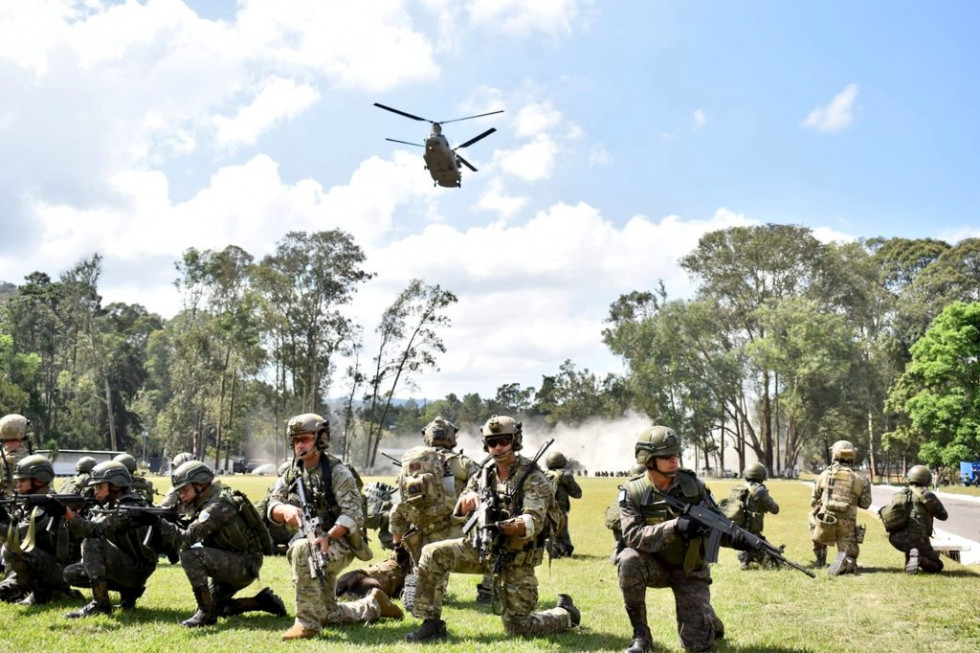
x,y
441,160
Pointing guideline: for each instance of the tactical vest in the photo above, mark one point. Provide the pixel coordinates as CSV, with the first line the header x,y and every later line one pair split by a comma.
x,y
841,492
688,554
235,534
128,540
428,488
920,519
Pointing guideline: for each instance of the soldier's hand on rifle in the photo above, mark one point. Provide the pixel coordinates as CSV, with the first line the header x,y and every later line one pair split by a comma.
x,y
468,501
4,514
689,528
324,543
142,518
54,507
740,542
513,527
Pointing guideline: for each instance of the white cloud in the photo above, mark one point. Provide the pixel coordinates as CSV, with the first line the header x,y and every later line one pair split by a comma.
x,y
699,119
495,199
532,162
835,116
279,99
535,118
552,17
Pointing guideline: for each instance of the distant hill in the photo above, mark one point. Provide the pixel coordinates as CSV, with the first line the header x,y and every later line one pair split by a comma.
x,y
6,290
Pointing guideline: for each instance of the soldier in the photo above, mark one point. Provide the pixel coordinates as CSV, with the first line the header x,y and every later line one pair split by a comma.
x,y
13,432
332,494
114,555
78,484
612,514
425,511
172,498
664,550
565,487
141,485
224,542
378,499
913,537
532,508
280,534
837,494
37,567
755,502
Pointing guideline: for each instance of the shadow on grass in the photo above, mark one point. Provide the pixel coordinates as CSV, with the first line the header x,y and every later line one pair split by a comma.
x,y
900,571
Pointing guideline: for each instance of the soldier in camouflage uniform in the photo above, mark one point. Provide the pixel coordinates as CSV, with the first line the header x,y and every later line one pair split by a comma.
x,y
663,549
281,535
141,485
757,503
612,514
172,498
78,484
220,544
913,539
378,499
114,555
565,487
338,506
837,494
13,432
523,541
37,573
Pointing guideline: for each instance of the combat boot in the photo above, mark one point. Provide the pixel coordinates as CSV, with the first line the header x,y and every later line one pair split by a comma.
x,y
642,639
912,566
820,559
484,594
299,632
431,629
128,597
100,601
205,615
565,601
265,601
385,606
838,566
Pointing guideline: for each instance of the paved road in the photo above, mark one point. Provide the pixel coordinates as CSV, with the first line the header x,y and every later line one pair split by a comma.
x,y
961,529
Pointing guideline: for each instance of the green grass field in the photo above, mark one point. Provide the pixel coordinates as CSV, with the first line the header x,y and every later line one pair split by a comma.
x,y
881,609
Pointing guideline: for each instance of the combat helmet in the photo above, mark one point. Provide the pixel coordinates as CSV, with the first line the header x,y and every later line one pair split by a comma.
x,y
34,466
842,450
193,471
14,427
128,461
920,475
656,442
556,460
180,459
111,471
755,472
310,423
503,425
440,432
85,464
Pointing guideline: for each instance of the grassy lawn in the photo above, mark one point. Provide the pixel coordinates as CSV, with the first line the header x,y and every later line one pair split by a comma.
x,y
881,609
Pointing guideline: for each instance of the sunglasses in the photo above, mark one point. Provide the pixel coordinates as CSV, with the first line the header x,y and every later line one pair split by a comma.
x,y
498,440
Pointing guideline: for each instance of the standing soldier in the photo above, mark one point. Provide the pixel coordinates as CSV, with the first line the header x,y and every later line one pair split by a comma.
x,y
921,507
114,555
518,487
663,549
755,501
224,542
37,566
332,496
141,485
78,484
13,432
837,494
565,487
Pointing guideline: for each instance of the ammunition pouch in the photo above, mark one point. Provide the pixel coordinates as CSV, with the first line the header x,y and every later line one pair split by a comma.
x,y
824,528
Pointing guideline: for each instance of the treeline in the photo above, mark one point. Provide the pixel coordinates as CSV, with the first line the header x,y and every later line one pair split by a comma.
x,y
786,345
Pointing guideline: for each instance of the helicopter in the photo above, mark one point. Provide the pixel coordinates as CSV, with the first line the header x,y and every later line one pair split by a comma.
x,y
442,161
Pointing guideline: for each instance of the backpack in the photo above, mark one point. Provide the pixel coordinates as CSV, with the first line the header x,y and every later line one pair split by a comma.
x,y
558,488
425,480
253,520
734,505
895,516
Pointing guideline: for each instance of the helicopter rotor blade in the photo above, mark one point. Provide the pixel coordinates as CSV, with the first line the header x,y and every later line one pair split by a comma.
x,y
479,115
476,138
401,113
466,163
395,140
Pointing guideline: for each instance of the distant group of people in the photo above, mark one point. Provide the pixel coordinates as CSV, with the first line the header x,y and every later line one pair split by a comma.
x,y
444,514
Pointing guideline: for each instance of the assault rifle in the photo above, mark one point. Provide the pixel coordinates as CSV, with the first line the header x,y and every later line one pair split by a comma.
x,y
398,463
309,522
718,525
73,501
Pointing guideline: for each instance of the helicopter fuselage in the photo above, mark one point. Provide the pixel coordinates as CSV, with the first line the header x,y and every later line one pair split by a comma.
x,y
441,161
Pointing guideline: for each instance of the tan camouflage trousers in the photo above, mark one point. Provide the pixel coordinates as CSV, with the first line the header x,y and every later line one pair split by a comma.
x,y
844,535
316,604
517,587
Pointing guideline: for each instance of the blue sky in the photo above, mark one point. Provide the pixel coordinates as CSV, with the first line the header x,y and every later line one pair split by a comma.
x,y
630,129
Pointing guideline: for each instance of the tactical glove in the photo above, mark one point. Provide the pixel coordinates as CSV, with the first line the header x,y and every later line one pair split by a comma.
x,y
689,528
740,542
142,518
4,514
55,508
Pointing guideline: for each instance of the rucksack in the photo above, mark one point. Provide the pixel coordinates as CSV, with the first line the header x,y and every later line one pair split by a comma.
x,y
253,520
558,488
895,516
734,505
425,480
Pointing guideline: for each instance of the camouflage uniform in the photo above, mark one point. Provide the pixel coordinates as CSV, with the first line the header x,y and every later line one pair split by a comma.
x,y
516,583
112,549
565,486
77,484
656,556
853,491
926,506
378,498
757,504
219,545
316,605
13,453
143,486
